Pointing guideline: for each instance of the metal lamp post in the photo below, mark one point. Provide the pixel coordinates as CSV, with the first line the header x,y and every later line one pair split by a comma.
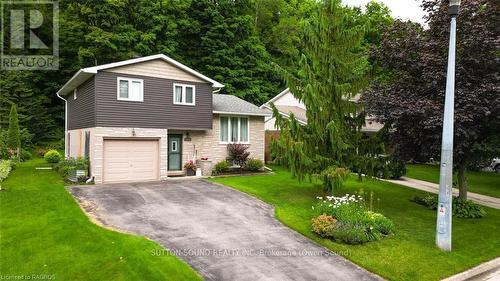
x,y
443,227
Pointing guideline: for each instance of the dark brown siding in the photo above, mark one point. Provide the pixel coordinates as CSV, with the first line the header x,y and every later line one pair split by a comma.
x,y
81,112
157,110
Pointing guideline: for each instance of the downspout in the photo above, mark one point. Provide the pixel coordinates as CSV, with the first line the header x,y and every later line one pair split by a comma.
x,y
65,125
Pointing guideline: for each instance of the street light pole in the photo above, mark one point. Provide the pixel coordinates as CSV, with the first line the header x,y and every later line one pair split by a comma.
x,y
443,226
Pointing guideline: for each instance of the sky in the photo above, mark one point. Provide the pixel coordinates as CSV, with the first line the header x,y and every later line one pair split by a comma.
x,y
403,9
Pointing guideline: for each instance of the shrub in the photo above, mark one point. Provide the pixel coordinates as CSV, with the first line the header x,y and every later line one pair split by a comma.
x,y
52,156
353,223
352,233
25,155
254,164
396,168
3,147
322,224
467,209
238,153
5,168
386,167
221,167
67,166
461,208
381,223
430,201
333,177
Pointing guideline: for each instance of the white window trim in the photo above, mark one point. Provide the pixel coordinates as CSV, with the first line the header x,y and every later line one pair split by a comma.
x,y
129,80
229,129
183,93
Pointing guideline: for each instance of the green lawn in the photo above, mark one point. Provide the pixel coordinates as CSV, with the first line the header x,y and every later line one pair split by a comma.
x,y
43,231
487,183
408,255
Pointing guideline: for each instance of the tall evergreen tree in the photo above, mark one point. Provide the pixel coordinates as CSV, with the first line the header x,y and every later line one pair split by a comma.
x,y
13,134
332,70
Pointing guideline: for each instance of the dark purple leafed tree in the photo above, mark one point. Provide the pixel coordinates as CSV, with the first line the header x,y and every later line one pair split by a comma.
x,y
409,98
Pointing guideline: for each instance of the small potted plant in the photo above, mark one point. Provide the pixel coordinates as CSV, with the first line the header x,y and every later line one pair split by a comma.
x,y
190,168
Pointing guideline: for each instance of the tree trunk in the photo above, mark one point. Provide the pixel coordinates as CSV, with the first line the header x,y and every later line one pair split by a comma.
x,y
462,182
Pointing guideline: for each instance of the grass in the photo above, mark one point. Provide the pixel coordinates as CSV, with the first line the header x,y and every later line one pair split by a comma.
x,y
486,183
44,232
410,254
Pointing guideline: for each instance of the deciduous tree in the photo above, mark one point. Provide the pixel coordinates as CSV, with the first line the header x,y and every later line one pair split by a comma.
x,y
410,101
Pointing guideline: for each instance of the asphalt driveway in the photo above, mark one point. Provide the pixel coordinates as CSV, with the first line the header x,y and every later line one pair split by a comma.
x,y
222,233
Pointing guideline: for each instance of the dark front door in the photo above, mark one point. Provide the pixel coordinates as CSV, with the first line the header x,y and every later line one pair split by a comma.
x,y
174,152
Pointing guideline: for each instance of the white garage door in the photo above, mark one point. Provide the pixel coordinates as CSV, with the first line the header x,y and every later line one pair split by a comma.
x,y
130,160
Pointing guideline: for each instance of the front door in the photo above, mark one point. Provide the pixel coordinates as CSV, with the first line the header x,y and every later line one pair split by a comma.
x,y
174,152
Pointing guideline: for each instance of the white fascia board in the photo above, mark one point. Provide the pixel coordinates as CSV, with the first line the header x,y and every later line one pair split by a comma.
x,y
241,113
215,84
276,97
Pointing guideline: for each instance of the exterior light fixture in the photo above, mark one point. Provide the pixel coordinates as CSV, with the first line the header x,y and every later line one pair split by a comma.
x,y
454,8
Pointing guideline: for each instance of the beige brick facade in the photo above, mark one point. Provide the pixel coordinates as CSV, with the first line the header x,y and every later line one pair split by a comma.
x,y
202,143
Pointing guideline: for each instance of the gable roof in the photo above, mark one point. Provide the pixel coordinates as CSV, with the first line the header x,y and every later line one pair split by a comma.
x,y
284,92
233,105
298,113
85,73
371,125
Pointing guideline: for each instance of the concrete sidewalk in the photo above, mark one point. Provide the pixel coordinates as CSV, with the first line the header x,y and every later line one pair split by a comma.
x,y
488,271
434,187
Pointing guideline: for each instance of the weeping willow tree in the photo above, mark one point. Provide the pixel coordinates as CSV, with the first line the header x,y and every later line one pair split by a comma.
x,y
332,70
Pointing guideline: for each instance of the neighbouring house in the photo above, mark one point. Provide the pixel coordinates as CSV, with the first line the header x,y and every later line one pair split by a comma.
x,y
142,119
286,103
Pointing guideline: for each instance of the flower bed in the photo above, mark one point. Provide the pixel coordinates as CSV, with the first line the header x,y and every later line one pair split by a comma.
x,y
346,219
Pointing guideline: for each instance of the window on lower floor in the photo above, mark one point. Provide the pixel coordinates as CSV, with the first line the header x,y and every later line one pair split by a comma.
x,y
234,129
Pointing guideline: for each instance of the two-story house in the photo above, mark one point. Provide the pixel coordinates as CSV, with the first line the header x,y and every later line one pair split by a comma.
x,y
142,119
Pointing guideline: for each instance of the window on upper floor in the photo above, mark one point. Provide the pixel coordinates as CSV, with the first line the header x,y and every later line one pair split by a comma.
x,y
184,94
234,130
129,89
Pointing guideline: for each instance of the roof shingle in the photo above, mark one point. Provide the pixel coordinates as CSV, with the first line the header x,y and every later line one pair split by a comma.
x,y
233,105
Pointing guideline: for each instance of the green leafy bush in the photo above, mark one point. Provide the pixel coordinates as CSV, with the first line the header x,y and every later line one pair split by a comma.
x,y
254,164
460,208
345,219
5,168
333,177
352,233
67,166
386,167
25,155
221,167
52,156
467,209
396,168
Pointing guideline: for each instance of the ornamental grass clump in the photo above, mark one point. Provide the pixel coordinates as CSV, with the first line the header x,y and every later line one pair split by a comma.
x,y
346,219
